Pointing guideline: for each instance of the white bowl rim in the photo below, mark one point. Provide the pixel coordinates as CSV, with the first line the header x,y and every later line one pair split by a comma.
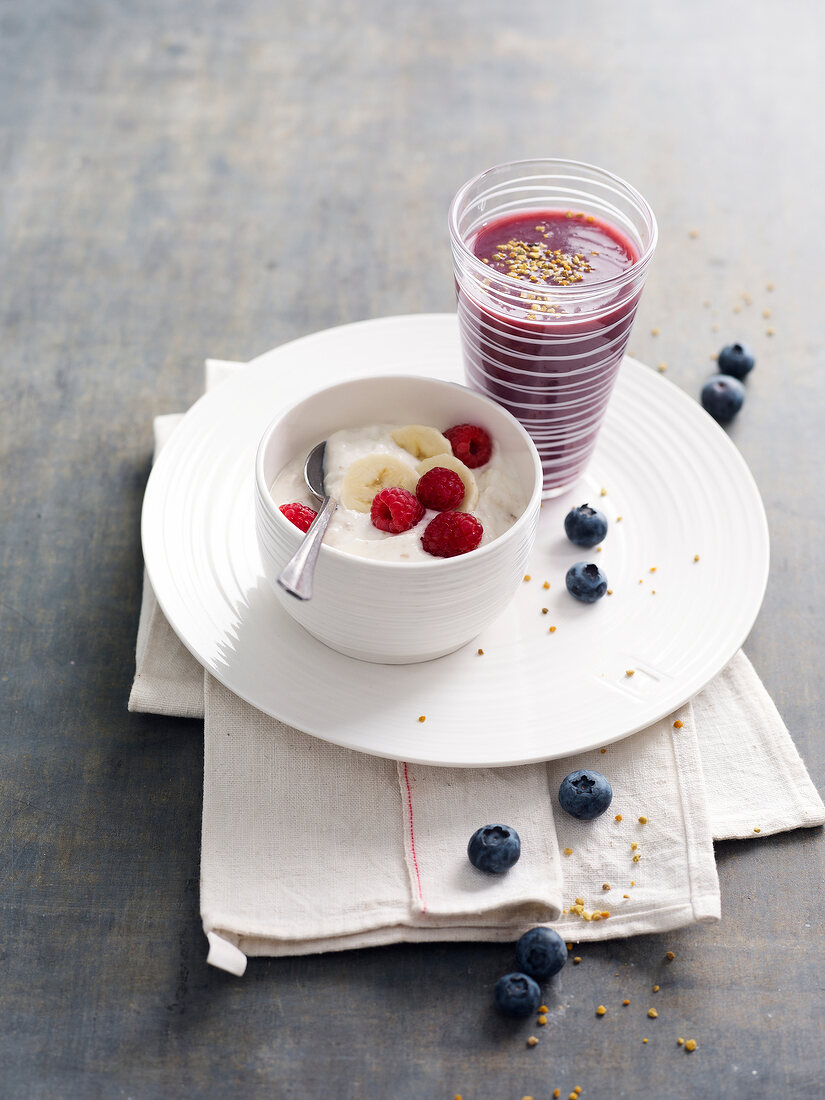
x,y
406,566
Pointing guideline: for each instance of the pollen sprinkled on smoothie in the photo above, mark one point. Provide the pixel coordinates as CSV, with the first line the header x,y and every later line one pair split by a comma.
x,y
536,262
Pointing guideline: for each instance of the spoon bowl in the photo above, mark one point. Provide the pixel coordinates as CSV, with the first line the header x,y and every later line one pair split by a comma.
x,y
314,470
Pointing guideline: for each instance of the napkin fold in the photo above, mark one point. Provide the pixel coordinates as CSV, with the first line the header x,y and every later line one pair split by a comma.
x,y
309,847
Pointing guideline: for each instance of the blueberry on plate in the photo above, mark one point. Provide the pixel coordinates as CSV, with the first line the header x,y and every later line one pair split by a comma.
x,y
586,582
736,360
517,995
541,953
723,397
585,526
494,848
585,794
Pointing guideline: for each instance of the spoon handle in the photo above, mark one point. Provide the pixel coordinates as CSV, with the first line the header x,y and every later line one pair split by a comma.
x,y
296,576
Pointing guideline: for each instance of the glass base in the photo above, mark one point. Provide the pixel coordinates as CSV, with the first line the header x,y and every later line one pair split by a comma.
x,y
551,494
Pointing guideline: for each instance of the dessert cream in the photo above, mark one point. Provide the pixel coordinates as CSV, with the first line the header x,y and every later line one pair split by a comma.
x,y
359,459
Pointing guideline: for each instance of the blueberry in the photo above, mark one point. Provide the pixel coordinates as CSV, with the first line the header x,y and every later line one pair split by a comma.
x,y
517,995
586,582
722,397
494,848
585,526
541,953
736,360
585,794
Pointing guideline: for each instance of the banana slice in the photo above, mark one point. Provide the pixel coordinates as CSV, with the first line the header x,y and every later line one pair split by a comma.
x,y
421,441
450,462
369,475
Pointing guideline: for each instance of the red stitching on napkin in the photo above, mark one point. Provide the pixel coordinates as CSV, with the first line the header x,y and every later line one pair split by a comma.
x,y
412,842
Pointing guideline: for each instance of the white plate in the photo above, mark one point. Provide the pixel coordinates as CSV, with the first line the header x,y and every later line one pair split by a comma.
x,y
670,472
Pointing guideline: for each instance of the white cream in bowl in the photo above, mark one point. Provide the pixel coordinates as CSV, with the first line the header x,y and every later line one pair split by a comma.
x,y
501,498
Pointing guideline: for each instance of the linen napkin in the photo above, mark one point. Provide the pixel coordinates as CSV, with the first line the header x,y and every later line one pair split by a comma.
x,y
309,847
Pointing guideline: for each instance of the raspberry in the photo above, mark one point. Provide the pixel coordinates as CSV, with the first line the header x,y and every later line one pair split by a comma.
x,y
451,533
299,514
395,510
471,444
441,489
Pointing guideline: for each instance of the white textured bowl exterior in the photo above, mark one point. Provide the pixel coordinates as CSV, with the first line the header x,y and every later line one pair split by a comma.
x,y
395,612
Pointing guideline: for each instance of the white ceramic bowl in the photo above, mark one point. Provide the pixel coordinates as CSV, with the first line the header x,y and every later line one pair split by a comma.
x,y
396,612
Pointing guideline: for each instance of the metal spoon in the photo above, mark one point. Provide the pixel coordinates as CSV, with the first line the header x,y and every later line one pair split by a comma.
x,y
296,575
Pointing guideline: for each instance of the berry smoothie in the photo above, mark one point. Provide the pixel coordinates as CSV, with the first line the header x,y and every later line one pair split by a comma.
x,y
549,349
